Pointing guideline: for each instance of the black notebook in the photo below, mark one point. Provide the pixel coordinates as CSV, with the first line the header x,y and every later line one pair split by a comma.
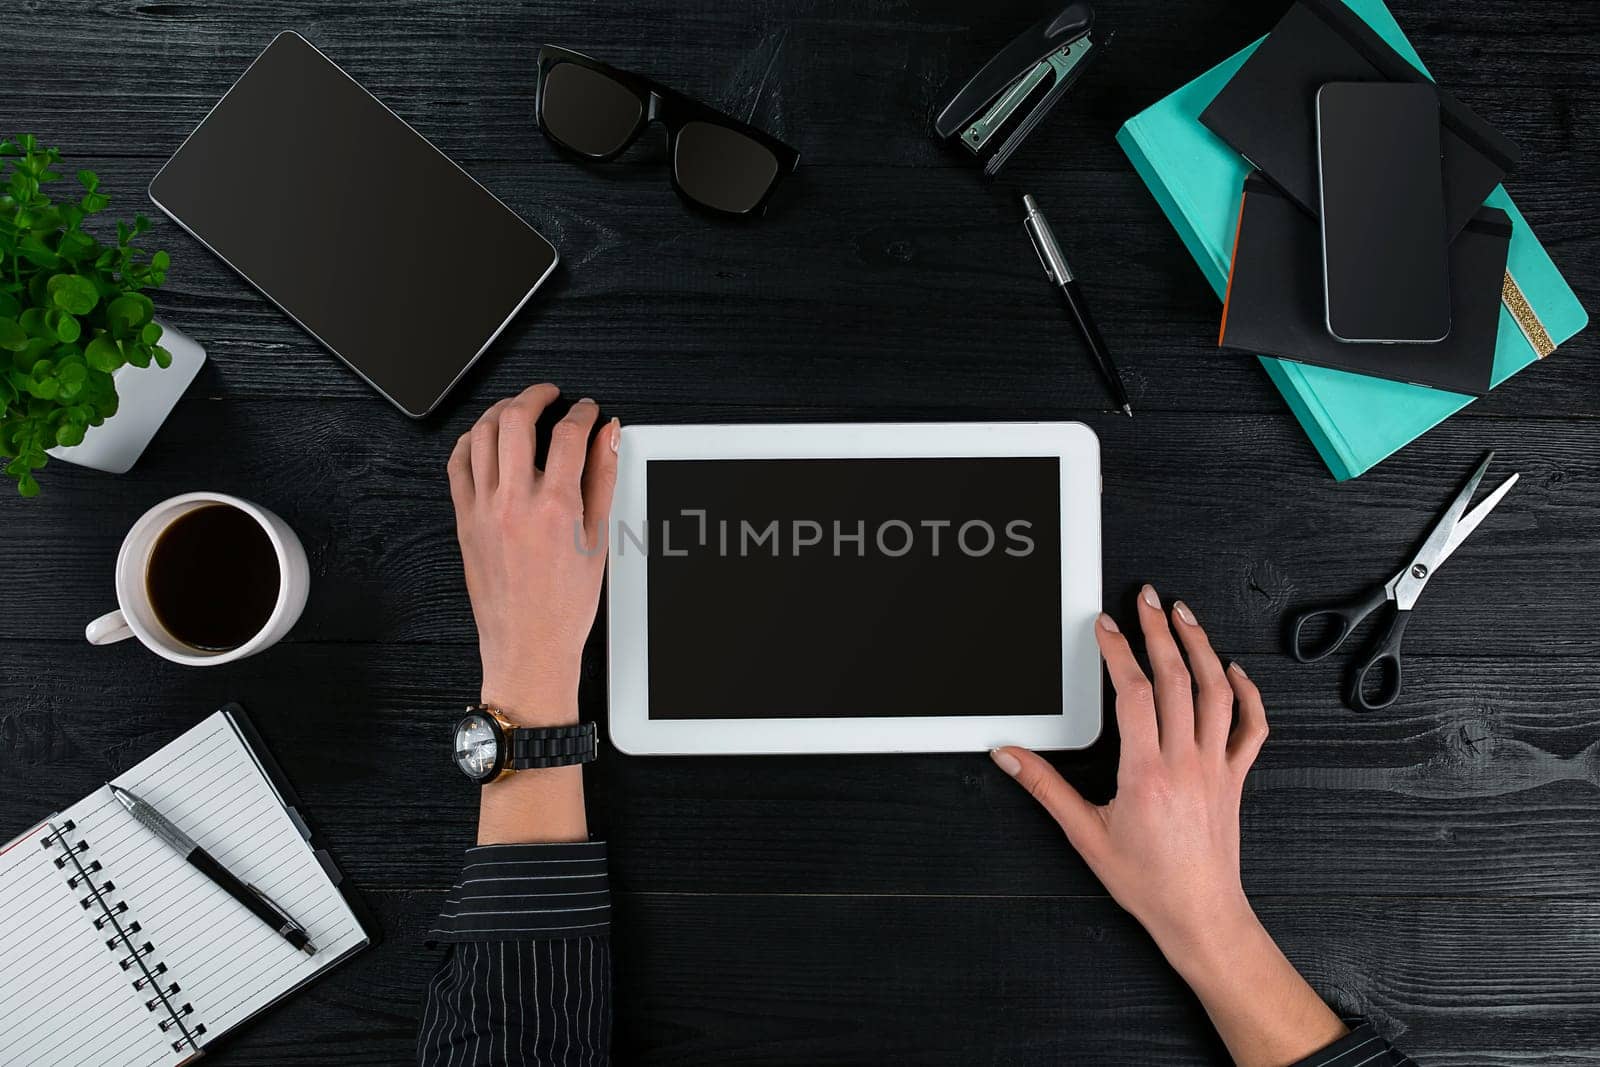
x,y
1274,303
1268,110
117,951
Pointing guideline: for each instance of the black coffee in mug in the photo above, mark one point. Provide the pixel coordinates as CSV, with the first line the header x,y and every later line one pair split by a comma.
x,y
213,578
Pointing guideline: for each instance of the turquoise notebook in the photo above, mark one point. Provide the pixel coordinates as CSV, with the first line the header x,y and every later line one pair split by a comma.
x,y
1354,421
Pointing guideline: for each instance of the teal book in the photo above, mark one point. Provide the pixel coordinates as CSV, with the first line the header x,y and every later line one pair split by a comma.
x,y
1353,420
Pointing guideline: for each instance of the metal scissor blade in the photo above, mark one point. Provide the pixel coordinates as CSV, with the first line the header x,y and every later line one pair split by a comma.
x,y
1406,586
1470,520
1435,548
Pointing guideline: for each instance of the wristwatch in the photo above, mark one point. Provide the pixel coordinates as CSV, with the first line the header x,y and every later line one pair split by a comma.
x,y
489,746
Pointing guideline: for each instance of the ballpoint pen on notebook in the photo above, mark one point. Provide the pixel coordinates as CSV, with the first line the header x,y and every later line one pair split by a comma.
x,y
1056,269
258,903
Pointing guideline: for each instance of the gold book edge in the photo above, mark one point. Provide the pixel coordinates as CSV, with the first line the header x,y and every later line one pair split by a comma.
x,y
1523,314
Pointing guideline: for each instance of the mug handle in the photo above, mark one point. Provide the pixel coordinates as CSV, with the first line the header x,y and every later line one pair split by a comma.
x,y
108,629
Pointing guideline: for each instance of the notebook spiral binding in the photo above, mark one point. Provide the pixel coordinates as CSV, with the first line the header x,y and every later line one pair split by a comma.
x,y
97,891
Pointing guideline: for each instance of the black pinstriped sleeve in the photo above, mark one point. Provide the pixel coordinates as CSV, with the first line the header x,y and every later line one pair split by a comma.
x,y
1361,1047
528,976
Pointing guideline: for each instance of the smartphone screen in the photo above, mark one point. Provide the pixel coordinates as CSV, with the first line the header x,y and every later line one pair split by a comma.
x,y
1384,251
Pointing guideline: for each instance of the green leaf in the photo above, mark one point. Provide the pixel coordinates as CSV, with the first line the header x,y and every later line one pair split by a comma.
x,y
27,485
136,354
128,312
94,202
74,293
46,389
88,180
151,333
76,246
9,308
163,357
160,261
36,321
72,370
69,434
63,325
102,354
13,338
34,251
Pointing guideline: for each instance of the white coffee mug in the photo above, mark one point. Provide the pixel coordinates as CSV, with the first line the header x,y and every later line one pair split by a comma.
x,y
135,617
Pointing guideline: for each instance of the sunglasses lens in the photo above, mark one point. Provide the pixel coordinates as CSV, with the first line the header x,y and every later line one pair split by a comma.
x,y
587,111
722,168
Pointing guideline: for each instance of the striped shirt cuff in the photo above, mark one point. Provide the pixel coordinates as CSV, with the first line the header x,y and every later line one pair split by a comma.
x,y
526,893
1361,1047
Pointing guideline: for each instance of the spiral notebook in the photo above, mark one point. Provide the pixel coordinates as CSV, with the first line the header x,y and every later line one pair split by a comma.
x,y
117,951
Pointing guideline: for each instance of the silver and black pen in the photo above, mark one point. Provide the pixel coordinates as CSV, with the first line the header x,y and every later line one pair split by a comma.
x,y
1056,269
260,905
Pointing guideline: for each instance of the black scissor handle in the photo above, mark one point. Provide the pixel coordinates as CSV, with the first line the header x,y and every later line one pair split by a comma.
x,y
1346,617
1384,660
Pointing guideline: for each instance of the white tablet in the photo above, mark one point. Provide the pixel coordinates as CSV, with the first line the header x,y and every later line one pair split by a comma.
x,y
922,587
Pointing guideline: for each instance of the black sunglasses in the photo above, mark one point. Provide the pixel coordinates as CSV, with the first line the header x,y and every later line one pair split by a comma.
x,y
595,111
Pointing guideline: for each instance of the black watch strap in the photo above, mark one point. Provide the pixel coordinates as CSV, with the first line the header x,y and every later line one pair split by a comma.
x,y
533,747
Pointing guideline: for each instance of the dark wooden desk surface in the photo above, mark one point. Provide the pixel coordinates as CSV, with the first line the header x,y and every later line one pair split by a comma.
x,y
1436,866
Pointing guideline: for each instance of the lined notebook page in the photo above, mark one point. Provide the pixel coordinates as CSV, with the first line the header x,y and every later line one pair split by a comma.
x,y
63,999
226,962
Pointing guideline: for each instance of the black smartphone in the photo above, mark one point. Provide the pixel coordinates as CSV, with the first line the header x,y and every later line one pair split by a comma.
x,y
1385,256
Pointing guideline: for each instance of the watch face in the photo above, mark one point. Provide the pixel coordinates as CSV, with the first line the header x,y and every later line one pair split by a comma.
x,y
477,747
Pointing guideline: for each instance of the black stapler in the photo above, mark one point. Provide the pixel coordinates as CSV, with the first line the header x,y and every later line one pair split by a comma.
x,y
1037,68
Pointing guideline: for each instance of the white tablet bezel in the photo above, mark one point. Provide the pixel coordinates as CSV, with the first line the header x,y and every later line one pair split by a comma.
x,y
634,732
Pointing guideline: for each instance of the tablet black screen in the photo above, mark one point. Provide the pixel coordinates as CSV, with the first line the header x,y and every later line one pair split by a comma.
x,y
852,587
352,223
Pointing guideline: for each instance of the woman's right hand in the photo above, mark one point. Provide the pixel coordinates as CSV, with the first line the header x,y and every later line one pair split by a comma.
x,y
1167,845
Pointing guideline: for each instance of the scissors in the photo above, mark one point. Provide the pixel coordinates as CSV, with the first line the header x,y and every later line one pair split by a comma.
x,y
1452,528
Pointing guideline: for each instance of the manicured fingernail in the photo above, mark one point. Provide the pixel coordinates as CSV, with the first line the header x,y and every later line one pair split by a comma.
x,y
587,400
1184,613
1236,669
1005,761
616,434
1148,595
1108,624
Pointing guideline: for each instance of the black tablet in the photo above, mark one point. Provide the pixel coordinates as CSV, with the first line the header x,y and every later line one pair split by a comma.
x,y
350,221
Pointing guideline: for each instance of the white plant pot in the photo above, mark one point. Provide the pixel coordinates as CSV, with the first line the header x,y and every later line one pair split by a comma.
x,y
145,397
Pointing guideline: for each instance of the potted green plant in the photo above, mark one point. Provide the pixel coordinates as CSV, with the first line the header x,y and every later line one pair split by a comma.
x,y
78,334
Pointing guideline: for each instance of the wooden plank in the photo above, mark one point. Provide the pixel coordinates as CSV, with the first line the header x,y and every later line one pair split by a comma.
x,y
1234,513
907,287
878,980
1433,866
1472,786
844,80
